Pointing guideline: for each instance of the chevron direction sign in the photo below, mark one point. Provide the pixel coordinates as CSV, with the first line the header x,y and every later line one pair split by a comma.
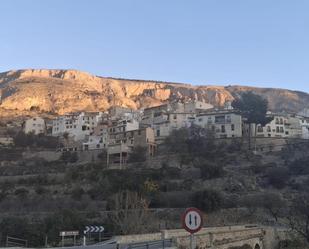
x,y
93,229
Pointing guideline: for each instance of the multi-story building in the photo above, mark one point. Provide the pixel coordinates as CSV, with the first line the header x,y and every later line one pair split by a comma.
x,y
224,124
77,125
166,118
121,144
99,139
281,126
34,125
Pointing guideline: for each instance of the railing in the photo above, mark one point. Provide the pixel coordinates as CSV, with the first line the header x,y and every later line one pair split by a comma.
x,y
151,244
13,242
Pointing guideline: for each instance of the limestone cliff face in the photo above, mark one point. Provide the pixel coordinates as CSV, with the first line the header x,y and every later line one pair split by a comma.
x,y
62,91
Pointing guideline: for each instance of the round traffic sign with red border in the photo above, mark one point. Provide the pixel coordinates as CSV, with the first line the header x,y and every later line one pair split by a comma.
x,y
192,220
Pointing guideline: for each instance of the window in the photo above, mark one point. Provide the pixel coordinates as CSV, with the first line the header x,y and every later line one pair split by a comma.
x,y
277,129
260,128
175,116
228,119
277,120
233,127
223,128
281,130
220,119
268,129
158,133
200,119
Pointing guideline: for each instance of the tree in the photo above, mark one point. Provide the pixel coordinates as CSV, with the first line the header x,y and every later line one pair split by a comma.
x,y
130,213
138,154
60,221
253,108
176,142
191,143
274,203
299,216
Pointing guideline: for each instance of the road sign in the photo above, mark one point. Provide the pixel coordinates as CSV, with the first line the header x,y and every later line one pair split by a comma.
x,y
192,220
93,229
69,233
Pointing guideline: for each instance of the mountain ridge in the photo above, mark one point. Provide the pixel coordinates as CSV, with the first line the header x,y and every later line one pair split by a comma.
x,y
66,90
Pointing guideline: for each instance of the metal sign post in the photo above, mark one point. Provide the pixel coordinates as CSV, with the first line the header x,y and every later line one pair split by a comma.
x,y
68,234
92,229
192,221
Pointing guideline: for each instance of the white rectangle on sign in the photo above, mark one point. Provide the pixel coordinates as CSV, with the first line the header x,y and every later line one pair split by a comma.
x,y
69,233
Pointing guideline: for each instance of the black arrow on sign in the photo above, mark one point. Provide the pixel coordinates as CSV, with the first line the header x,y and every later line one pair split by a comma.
x,y
195,218
190,219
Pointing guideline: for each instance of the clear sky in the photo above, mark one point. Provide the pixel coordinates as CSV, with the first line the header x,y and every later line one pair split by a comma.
x,y
219,42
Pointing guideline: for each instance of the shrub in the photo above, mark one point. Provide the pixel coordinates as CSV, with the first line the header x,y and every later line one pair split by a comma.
x,y
138,154
210,170
40,190
299,167
77,193
278,177
21,193
69,157
208,200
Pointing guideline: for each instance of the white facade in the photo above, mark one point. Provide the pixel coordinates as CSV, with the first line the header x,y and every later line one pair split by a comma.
x,y
95,142
304,123
35,125
196,106
76,125
281,126
304,113
223,124
123,125
164,124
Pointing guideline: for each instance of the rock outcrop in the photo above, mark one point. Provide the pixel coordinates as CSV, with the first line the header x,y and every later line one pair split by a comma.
x,y
62,91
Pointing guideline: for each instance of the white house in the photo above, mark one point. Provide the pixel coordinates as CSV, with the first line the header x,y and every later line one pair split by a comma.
x,y
197,106
123,125
225,124
77,125
35,125
99,139
281,126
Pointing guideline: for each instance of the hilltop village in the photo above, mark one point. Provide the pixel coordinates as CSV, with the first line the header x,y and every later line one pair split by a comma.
x,y
120,130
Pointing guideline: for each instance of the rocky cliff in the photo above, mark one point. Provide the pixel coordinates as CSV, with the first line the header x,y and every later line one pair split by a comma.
x,y
62,91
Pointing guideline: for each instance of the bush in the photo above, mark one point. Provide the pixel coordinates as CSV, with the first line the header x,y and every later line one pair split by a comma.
x,y
69,157
138,154
21,193
77,193
299,166
40,190
208,200
210,170
278,177
31,140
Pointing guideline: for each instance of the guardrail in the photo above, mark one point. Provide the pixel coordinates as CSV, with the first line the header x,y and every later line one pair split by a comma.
x,y
151,244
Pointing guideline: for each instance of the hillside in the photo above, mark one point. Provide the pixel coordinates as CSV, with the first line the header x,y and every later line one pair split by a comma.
x,y
62,91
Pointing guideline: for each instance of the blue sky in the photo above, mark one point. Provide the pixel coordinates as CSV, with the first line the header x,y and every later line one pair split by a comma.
x,y
215,42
